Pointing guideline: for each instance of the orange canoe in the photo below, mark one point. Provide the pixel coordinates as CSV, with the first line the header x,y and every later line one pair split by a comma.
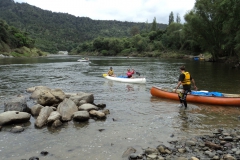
x,y
226,99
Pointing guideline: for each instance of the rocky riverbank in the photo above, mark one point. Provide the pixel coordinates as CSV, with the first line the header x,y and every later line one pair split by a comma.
x,y
220,145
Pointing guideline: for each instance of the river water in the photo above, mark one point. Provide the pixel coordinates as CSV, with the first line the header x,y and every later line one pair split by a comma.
x,y
136,118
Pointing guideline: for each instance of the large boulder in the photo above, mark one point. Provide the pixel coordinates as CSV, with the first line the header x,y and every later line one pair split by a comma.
x,y
17,104
82,98
9,117
66,108
48,97
43,116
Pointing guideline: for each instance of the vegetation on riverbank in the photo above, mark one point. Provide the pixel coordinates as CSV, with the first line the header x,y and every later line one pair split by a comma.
x,y
210,27
16,43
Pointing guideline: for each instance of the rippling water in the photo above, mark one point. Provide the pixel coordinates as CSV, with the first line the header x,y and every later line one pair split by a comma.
x,y
136,119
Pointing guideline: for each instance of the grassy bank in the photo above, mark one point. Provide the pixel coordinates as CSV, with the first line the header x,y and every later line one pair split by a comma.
x,y
25,52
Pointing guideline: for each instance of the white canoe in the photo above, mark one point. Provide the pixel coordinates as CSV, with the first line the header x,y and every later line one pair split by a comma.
x,y
83,60
127,80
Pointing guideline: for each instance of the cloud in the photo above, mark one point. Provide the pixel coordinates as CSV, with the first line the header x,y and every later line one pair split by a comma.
x,y
121,10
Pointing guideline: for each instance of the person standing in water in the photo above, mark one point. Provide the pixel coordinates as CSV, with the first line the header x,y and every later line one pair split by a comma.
x,y
184,80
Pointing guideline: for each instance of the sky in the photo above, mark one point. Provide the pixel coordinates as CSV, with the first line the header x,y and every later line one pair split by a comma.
x,y
120,10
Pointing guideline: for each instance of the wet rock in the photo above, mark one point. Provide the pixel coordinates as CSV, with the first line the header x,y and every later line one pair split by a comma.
x,y
190,143
44,153
57,123
34,158
228,138
97,114
101,105
81,116
87,107
149,151
43,116
35,110
17,104
46,96
82,98
17,129
55,115
66,109
194,158
14,117
212,145
129,151
106,111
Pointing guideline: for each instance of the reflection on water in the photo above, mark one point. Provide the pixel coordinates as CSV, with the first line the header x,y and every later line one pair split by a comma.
x,y
136,118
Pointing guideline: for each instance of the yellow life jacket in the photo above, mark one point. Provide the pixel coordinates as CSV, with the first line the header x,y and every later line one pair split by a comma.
x,y
186,80
110,72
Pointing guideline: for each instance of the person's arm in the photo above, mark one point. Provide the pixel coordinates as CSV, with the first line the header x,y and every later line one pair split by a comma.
x,y
194,84
179,83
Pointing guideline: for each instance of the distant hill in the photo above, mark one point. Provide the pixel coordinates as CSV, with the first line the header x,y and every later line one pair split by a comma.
x,y
61,31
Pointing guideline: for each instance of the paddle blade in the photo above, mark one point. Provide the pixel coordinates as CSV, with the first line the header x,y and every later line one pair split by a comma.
x,y
138,73
104,75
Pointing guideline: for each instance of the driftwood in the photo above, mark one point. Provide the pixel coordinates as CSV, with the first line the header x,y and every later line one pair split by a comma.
x,y
213,145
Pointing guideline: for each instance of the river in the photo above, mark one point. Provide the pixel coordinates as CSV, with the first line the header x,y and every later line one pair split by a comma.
x,y
136,118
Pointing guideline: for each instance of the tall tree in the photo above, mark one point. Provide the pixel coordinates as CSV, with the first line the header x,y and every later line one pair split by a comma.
x,y
154,24
171,18
178,19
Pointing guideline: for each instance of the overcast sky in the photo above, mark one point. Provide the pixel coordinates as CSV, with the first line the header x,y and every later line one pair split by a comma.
x,y
120,10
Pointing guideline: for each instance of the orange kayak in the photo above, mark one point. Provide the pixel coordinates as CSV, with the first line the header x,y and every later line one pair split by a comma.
x,y
226,99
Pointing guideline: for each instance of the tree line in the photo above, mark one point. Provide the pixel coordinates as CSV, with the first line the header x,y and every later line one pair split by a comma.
x,y
211,26
55,32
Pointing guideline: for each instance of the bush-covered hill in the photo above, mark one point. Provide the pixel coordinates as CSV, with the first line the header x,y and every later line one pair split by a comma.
x,y
61,31
16,43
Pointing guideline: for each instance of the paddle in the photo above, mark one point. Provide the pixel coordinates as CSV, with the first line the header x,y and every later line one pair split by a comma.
x,y
137,73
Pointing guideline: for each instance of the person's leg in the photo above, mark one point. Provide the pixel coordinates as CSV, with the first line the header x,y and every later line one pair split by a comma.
x,y
184,98
180,96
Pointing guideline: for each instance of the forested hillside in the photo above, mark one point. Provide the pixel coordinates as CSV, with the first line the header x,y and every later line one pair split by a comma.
x,y
61,31
15,43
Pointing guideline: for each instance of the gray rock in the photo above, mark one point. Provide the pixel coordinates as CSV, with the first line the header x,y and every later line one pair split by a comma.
x,y
82,98
66,109
17,104
14,117
81,116
17,129
43,116
87,107
35,110
46,96
129,151
57,123
97,114
55,115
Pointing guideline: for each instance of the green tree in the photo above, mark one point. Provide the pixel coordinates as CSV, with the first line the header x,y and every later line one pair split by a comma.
x,y
178,19
213,26
154,24
134,30
171,18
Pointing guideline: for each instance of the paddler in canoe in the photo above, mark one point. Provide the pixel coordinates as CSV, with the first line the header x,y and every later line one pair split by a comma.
x,y
111,72
130,73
